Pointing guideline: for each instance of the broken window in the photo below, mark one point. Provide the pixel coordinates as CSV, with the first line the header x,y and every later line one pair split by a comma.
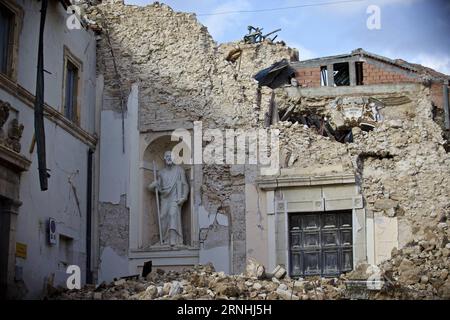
x,y
6,45
341,74
323,76
359,73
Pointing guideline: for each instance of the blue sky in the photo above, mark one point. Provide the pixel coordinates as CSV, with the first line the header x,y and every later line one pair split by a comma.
x,y
415,30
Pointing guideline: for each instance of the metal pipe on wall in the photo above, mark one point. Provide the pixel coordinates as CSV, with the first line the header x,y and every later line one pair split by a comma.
x,y
89,217
39,104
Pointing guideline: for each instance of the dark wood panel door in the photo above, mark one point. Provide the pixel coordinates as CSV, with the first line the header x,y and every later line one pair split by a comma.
x,y
320,243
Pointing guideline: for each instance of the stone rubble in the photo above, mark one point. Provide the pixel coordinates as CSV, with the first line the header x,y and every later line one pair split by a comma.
x,y
401,166
418,271
202,282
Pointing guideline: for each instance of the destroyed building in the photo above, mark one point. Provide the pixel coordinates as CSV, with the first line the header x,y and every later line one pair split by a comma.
x,y
363,170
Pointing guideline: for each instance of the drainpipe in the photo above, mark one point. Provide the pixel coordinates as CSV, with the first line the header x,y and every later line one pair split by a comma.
x,y
89,216
39,131
446,107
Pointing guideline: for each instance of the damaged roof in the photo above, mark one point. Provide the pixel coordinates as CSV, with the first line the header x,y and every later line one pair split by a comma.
x,y
276,75
413,67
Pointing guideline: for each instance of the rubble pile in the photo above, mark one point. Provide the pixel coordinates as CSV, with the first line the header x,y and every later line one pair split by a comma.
x,y
420,270
404,173
401,165
303,147
202,282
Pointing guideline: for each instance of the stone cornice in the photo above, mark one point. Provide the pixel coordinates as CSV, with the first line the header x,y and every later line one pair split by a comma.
x,y
50,113
271,183
14,160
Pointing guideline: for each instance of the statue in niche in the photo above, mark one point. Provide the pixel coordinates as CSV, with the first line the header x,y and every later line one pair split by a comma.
x,y
172,188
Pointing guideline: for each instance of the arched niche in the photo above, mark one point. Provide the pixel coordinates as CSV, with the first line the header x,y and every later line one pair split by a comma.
x,y
150,226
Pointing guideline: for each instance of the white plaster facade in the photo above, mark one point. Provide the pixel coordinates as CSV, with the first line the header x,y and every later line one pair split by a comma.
x,y
67,146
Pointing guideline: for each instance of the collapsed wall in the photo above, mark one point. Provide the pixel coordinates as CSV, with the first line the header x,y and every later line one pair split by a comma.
x,y
401,163
183,76
404,174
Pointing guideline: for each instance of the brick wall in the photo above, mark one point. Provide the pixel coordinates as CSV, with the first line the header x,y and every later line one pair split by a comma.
x,y
375,75
308,77
437,95
372,74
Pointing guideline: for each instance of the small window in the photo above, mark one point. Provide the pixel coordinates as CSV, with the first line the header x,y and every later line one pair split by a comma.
x,y
359,73
73,69
323,76
70,103
341,74
7,19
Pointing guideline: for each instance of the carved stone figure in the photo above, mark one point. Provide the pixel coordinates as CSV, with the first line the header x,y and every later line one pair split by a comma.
x,y
14,134
173,190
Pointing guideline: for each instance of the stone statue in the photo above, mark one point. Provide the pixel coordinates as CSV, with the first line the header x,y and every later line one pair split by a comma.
x,y
173,190
14,134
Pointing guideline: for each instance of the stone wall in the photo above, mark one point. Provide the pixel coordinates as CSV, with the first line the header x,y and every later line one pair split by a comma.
x,y
184,76
401,165
113,226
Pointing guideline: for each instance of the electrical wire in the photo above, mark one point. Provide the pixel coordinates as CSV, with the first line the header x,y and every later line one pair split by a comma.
x,y
281,8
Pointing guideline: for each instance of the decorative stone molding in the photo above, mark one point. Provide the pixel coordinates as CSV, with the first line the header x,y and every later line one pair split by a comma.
x,y
270,183
50,113
12,159
10,138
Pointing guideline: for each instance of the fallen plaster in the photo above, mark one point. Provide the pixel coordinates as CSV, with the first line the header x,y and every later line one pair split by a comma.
x,y
112,265
214,233
113,240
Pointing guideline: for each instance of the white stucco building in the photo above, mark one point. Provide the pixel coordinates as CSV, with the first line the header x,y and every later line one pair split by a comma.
x,y
28,258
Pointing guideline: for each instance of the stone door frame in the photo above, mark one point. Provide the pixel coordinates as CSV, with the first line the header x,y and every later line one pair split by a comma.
x,y
12,164
281,200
